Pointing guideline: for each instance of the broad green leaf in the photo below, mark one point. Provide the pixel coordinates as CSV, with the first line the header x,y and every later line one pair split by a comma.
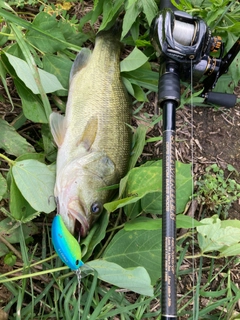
x,y
60,66
186,222
31,103
3,186
49,82
143,223
212,236
47,24
49,146
233,250
133,61
230,223
36,156
12,142
3,73
36,182
136,280
143,77
145,183
11,232
110,12
20,209
138,142
137,183
3,249
95,236
150,9
152,203
136,248
130,17
47,37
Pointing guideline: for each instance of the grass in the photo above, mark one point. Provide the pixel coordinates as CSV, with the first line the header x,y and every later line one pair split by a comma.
x,y
36,284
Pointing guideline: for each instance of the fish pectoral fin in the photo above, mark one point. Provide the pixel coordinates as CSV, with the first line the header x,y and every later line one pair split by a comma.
x,y
89,134
57,126
80,62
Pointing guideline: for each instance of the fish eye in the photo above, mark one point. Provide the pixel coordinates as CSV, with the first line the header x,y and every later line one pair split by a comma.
x,y
96,208
77,262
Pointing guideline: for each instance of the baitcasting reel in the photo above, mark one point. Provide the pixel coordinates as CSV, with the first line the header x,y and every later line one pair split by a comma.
x,y
188,41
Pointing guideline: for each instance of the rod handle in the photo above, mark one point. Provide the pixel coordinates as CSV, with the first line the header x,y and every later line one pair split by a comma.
x,y
226,100
169,318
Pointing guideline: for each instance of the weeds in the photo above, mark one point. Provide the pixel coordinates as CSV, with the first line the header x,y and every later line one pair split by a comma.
x,y
216,192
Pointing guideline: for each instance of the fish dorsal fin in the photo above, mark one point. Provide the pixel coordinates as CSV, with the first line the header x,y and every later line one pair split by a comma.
x,y
80,62
89,134
57,126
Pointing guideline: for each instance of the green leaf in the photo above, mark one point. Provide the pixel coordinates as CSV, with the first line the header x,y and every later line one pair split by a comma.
x,y
145,183
130,17
143,77
186,222
10,259
51,37
230,223
3,186
60,66
138,142
12,142
11,231
49,82
48,25
36,182
133,61
143,223
136,248
95,236
110,12
3,73
233,250
20,209
150,9
31,103
3,249
212,236
136,280
137,183
152,203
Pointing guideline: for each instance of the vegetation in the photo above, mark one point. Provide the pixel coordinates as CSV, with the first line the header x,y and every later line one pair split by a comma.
x,y
39,40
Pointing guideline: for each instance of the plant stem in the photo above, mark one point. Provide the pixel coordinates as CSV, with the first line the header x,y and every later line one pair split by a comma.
x,y
18,254
9,161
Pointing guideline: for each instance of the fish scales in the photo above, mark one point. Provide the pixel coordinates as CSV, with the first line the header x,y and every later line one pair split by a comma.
x,y
93,138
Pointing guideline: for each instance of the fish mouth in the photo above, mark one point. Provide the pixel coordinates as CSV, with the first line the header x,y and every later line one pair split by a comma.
x,y
81,227
79,224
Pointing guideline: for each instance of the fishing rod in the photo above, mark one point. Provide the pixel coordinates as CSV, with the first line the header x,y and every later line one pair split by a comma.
x,y
185,44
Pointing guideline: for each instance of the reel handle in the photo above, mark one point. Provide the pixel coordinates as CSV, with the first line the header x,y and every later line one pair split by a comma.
x,y
226,100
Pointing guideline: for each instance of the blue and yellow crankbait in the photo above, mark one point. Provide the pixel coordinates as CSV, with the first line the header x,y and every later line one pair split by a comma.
x,y
66,246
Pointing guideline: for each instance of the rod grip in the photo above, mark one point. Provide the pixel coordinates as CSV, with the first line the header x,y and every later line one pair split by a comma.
x,y
168,318
226,100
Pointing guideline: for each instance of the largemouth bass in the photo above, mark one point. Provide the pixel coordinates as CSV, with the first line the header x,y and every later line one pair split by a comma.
x,y
93,138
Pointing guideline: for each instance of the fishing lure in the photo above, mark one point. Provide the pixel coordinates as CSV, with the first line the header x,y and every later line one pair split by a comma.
x,y
66,246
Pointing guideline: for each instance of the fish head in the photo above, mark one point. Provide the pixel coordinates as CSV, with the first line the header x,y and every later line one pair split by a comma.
x,y
80,190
